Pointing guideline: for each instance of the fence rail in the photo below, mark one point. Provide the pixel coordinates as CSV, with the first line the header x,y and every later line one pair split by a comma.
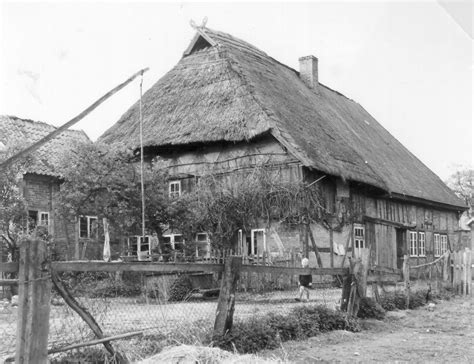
x,y
235,271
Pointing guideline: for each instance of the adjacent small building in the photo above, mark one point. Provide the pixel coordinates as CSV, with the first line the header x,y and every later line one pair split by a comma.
x,y
41,181
228,106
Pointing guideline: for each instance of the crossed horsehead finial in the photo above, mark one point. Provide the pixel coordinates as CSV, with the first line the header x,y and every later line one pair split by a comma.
x,y
195,26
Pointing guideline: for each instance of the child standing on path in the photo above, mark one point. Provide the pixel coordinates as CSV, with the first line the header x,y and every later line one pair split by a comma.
x,y
305,281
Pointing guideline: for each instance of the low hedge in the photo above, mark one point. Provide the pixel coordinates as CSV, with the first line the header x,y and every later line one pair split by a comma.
x,y
369,308
397,300
269,331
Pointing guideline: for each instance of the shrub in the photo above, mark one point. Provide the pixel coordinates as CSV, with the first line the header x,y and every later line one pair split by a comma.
x,y
286,326
397,300
307,318
249,337
336,320
369,308
267,332
114,288
180,289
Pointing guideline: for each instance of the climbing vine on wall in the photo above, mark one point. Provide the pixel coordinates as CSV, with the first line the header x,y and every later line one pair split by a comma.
x,y
221,205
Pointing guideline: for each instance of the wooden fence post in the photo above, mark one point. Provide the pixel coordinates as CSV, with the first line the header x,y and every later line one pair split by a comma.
x,y
456,275
406,278
446,267
226,303
358,286
469,272
346,287
466,273
34,282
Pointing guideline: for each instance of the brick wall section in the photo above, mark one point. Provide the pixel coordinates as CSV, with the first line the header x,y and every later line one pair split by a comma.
x,y
40,193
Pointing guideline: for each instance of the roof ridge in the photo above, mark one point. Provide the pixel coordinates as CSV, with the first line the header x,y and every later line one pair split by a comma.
x,y
250,46
43,123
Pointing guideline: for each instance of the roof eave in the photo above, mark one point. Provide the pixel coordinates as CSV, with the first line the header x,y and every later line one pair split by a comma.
x,y
431,203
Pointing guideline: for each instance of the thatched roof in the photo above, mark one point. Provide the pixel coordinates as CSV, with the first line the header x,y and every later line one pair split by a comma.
x,y
16,132
224,89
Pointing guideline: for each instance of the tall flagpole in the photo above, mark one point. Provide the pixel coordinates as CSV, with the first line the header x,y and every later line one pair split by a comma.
x,y
141,162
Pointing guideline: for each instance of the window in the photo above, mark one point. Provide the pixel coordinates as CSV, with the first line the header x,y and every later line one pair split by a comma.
x,y
88,227
359,239
421,244
258,243
37,218
203,245
444,244
174,189
359,236
139,246
176,241
437,245
413,244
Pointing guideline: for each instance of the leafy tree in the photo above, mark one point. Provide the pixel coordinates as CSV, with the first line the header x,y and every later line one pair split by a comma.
x,y
105,181
12,204
462,183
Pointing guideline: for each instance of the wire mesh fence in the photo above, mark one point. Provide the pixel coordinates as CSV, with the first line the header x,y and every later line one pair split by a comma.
x,y
177,303
8,318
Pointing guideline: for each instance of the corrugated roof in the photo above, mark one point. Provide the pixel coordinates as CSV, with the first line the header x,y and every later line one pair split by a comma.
x,y
15,131
233,91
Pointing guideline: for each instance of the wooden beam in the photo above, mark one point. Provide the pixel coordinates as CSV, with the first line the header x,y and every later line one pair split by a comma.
x,y
315,247
95,342
10,267
406,278
379,269
101,266
33,304
331,246
8,282
70,123
294,271
226,303
388,222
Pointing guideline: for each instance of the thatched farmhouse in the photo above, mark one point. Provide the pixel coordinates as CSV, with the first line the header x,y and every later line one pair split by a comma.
x,y
41,182
227,106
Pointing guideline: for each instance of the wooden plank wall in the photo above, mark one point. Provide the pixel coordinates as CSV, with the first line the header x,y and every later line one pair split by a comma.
x,y
382,235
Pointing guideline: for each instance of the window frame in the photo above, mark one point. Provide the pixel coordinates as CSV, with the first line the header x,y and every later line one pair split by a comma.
x,y
413,243
443,243
138,242
253,245
437,244
176,193
359,240
40,218
172,240
421,244
89,220
207,243
34,222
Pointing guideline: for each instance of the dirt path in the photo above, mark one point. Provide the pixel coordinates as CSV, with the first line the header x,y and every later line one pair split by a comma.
x,y
443,335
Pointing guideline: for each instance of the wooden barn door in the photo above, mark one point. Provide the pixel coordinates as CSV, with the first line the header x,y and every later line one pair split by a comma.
x,y
401,246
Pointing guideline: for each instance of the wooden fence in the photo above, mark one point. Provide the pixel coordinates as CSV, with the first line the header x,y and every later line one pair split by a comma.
x,y
36,275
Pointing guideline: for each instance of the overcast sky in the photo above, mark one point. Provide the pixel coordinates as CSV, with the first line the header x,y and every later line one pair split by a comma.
x,y
408,64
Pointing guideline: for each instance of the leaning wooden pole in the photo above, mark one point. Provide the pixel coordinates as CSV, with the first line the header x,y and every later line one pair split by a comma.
x,y
86,316
70,123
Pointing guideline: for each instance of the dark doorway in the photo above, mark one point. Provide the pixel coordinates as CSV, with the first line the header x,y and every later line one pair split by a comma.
x,y
401,246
